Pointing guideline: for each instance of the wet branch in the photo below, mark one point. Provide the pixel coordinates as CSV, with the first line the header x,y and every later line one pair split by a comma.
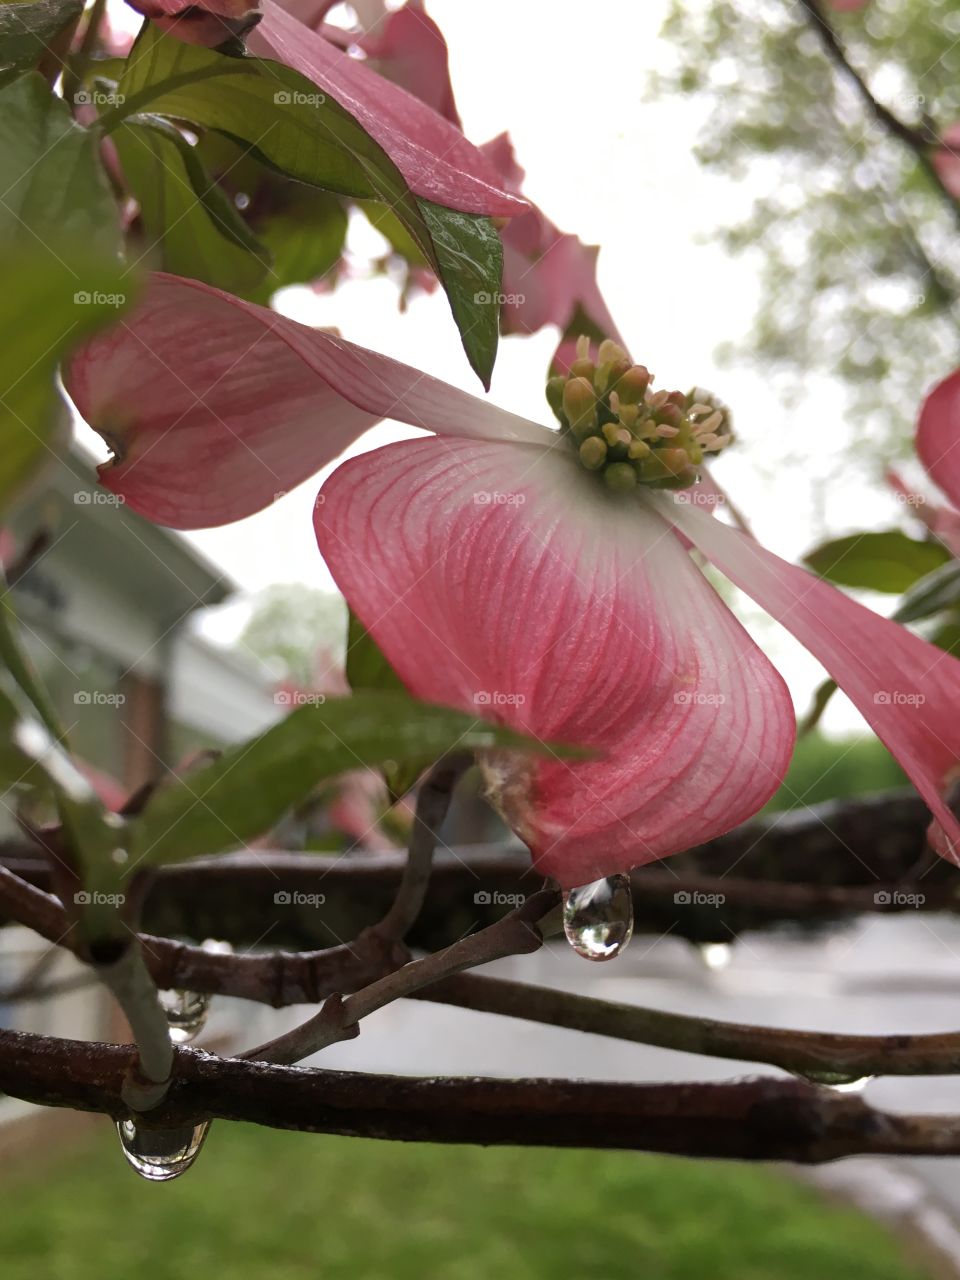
x,y
749,1120
809,866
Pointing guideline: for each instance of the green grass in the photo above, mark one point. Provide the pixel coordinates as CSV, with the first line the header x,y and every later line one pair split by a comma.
x,y
298,1207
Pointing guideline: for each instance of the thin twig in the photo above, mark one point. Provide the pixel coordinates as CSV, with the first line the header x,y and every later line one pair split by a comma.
x,y
433,802
916,140
135,992
811,1053
515,934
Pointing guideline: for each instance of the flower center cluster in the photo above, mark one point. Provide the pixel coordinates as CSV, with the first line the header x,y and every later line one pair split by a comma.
x,y
628,433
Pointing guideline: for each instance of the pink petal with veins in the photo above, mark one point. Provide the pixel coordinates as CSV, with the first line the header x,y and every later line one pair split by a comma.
x,y
215,406
938,436
498,578
434,157
907,690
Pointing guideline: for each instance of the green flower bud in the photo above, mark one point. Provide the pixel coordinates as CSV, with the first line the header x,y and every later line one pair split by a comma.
x,y
593,453
632,384
555,396
580,406
620,477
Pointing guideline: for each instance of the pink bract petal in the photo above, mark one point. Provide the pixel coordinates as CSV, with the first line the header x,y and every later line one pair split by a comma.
x,y
938,436
215,406
499,579
907,690
942,522
434,157
409,49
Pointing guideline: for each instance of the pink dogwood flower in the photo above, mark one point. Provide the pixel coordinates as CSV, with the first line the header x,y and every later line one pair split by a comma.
x,y
541,576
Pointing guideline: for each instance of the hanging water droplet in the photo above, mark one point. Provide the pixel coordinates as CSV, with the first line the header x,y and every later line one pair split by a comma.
x,y
715,955
160,1154
598,917
838,1081
186,1013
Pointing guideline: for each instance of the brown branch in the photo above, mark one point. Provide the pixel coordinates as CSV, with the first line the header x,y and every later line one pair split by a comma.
x,y
812,1053
277,978
748,1120
823,862
917,141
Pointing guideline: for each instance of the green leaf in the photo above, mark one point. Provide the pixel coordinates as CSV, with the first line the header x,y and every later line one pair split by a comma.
x,y
251,786
932,594
470,261
190,223
26,31
821,697
59,242
305,237
391,228
367,666
42,316
947,638
887,561
34,764
288,124
55,190
22,671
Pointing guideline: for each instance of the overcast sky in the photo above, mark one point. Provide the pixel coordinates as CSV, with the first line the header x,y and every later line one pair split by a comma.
x,y
619,171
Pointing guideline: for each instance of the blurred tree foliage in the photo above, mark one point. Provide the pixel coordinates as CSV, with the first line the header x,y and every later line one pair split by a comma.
x,y
297,631
857,247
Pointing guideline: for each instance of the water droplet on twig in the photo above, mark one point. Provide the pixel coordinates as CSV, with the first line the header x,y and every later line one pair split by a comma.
x,y
186,1013
161,1154
598,917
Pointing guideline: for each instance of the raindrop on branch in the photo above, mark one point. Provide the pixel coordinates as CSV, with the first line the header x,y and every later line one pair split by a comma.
x,y
836,1080
598,917
186,1013
161,1154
